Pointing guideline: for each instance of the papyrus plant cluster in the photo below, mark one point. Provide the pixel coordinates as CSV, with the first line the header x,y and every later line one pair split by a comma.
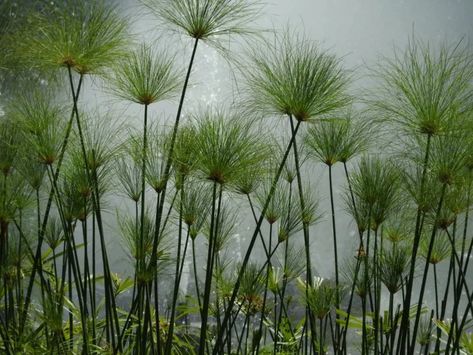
x,y
213,207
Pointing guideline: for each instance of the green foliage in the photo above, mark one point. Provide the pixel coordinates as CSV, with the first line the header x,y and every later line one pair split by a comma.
x,y
75,190
195,203
41,123
226,147
84,36
393,266
103,137
145,76
292,76
14,23
363,279
184,154
9,141
449,156
205,19
227,223
251,290
277,205
320,296
291,219
376,187
140,250
128,173
337,139
441,248
424,89
54,233
465,338
156,156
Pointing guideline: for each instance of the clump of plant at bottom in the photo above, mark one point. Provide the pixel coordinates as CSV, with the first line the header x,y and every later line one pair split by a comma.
x,y
216,211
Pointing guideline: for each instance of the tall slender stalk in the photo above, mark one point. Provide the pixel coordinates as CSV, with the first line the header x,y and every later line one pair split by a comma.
x,y
196,278
72,266
37,267
141,267
177,277
377,293
358,262
281,293
213,235
218,344
335,249
456,301
265,294
415,247
365,346
426,269
167,169
305,225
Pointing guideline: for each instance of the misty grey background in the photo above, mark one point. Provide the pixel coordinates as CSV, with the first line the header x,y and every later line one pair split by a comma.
x,y
359,31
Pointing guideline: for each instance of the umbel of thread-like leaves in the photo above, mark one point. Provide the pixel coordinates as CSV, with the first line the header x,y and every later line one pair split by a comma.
x,y
41,123
337,139
84,36
422,90
145,76
226,146
205,19
292,76
376,192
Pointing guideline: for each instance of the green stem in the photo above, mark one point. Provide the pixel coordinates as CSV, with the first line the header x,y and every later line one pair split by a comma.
x,y
444,302
167,169
391,323
377,295
177,276
208,275
454,265
196,278
156,284
240,338
247,335
282,294
335,250
73,265
426,270
71,319
142,260
219,338
263,243
143,183
404,329
366,286
37,267
461,283
166,219
94,273
305,226
358,262
321,339
109,293
469,308
436,292
265,294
